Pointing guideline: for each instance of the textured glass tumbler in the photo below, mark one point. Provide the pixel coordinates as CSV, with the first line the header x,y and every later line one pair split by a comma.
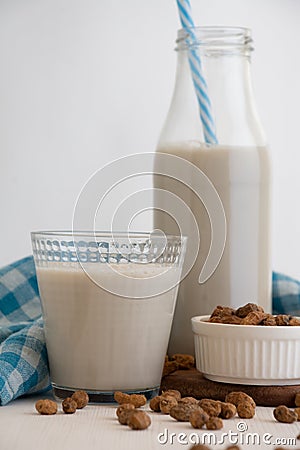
x,y
108,302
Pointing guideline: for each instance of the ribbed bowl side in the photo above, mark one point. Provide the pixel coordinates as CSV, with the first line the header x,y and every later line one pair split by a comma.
x,y
255,358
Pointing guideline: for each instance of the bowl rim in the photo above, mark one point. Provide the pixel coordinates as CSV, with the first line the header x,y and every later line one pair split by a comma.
x,y
202,321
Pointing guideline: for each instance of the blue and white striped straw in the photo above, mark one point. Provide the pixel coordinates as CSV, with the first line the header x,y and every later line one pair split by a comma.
x,y
200,85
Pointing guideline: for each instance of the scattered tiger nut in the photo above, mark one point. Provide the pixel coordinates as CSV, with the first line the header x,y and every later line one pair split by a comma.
x,y
283,414
182,411
228,410
81,398
184,361
128,406
297,399
166,404
169,367
139,420
123,412
214,423
237,397
69,405
243,311
172,392
155,403
46,407
188,400
245,410
198,418
137,400
211,407
121,397
297,411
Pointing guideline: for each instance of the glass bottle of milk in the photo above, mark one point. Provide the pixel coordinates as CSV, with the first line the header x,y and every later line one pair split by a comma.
x,y
239,168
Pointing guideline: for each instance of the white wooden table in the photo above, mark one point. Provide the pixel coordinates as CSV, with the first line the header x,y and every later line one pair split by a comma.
x,y
96,427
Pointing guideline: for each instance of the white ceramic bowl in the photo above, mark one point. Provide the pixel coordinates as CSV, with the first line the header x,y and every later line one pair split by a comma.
x,y
247,354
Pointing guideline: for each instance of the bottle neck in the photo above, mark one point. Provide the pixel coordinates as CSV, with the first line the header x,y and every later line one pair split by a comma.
x,y
225,61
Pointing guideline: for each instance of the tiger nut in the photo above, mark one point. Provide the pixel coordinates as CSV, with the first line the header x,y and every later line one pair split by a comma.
x,y
228,410
46,407
245,410
173,393
81,398
139,420
123,412
243,311
182,411
169,367
137,400
237,397
214,423
269,321
253,318
155,403
297,411
188,400
198,418
221,311
69,406
184,361
166,404
297,399
121,397
211,407
283,414
294,322
283,320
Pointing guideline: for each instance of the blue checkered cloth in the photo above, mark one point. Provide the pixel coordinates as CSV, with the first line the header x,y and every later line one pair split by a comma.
x,y
23,354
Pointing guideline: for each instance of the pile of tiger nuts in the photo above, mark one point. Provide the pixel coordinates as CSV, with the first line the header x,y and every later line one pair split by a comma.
x,y
206,412
251,314
128,412
202,413
48,407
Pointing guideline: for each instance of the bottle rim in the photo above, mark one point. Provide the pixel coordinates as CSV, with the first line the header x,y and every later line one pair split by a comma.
x,y
215,39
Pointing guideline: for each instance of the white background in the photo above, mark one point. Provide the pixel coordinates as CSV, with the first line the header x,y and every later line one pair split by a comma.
x,y
83,82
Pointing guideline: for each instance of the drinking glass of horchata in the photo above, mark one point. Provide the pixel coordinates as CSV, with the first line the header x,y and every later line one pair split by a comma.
x,y
108,301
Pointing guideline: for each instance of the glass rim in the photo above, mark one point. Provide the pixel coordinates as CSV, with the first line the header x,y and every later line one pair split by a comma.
x,y
222,30
101,234
219,36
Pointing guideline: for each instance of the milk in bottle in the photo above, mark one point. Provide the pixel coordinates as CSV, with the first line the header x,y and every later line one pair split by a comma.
x,y
239,168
